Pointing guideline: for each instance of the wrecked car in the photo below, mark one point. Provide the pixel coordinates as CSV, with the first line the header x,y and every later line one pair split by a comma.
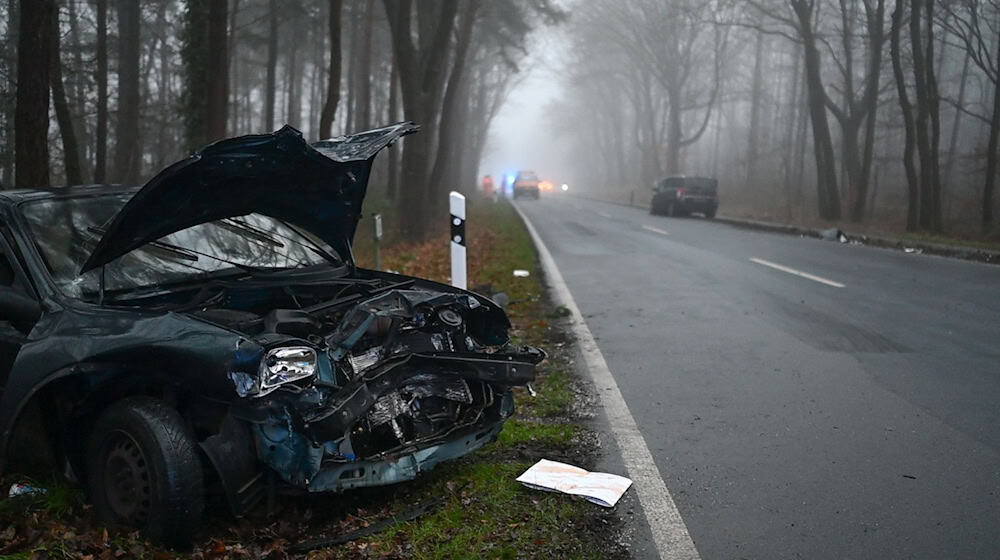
x,y
210,334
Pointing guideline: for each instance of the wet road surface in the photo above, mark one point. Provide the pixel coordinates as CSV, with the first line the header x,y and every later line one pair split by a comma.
x,y
801,398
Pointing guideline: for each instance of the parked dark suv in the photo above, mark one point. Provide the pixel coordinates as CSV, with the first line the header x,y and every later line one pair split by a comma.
x,y
210,331
680,196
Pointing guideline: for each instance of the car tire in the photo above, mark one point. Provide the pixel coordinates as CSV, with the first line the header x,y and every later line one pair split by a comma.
x,y
710,214
143,471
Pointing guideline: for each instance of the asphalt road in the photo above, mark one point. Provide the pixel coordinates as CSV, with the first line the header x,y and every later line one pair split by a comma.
x,y
792,418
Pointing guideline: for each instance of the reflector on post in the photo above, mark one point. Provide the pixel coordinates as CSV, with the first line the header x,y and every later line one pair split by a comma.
x,y
456,202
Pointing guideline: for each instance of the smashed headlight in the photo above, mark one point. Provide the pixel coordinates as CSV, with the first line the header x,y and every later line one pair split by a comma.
x,y
284,365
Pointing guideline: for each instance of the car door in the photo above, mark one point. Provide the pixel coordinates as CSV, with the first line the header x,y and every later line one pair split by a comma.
x,y
13,328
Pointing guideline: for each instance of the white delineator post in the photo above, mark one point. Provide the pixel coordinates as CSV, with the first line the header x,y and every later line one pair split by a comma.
x,y
456,202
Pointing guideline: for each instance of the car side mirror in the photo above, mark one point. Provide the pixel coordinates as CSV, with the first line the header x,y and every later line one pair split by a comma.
x,y
20,309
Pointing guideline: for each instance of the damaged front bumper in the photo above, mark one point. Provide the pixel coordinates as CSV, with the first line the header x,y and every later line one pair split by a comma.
x,y
403,384
406,466
402,418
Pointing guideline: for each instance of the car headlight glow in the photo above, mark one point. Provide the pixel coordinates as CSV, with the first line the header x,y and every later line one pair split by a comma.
x,y
285,364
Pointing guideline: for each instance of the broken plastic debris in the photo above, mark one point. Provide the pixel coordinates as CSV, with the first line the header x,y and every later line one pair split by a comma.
x,y
520,273
833,234
501,299
20,489
912,250
602,489
245,385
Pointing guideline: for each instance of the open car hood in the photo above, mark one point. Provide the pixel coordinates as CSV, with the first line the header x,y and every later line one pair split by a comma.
x,y
318,188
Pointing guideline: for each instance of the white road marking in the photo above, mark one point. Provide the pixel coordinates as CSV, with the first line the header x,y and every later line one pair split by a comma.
x,y
783,268
603,214
655,230
670,534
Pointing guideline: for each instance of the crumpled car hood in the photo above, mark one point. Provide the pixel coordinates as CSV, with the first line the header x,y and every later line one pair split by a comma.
x,y
318,188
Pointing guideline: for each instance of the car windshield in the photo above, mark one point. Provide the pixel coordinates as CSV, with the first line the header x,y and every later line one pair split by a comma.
x,y
66,230
527,176
701,183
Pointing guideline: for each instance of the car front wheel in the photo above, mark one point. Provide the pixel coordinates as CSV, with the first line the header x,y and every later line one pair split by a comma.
x,y
143,471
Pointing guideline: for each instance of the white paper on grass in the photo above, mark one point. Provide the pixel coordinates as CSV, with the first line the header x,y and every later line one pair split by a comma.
x,y
601,488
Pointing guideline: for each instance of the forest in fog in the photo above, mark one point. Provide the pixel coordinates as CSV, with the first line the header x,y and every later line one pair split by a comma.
x,y
882,111
111,91
879,111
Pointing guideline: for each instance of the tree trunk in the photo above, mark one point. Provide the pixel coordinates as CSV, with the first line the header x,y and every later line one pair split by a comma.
x,y
912,182
869,108
79,92
789,140
364,102
127,147
272,65
333,77
828,197
934,109
674,133
293,76
755,95
422,75
920,63
9,95
216,72
164,152
448,133
949,165
101,130
31,119
393,118
350,107
991,153
71,148
233,64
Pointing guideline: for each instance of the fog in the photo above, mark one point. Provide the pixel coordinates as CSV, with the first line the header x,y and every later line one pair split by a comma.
x,y
808,112
878,112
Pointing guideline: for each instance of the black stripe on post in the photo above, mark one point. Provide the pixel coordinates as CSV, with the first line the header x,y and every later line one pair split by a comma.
x,y
458,230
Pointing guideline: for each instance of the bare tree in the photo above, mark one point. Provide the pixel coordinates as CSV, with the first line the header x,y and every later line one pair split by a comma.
x,y
127,142
912,181
31,120
333,76
217,72
421,53
71,150
272,64
927,119
101,131
976,23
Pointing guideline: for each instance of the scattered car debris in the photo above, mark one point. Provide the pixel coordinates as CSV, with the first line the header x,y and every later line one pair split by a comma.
x,y
531,390
602,489
501,299
21,489
375,528
834,234
520,273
